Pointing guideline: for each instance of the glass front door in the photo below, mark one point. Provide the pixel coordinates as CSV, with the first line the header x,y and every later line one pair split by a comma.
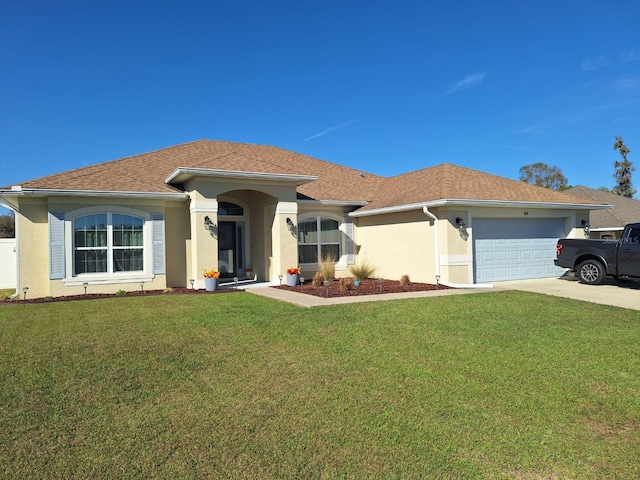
x,y
230,249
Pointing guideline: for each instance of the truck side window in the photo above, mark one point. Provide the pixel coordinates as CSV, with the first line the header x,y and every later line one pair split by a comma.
x,y
634,236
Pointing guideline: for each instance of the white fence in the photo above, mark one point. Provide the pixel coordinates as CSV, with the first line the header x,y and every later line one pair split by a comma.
x,y
7,263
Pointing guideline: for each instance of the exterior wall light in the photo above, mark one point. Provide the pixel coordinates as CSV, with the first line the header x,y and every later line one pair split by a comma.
x,y
462,228
290,225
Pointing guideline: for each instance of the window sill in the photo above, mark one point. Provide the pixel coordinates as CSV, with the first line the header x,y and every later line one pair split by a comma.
x,y
107,279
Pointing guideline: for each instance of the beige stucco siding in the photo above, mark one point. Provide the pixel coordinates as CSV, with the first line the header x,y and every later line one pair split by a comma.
x,y
33,242
178,242
33,246
397,244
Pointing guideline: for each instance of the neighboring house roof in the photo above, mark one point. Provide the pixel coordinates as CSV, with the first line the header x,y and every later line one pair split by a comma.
x,y
624,211
147,173
452,182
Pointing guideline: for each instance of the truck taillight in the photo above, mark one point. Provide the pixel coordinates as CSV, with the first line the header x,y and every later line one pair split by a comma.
x,y
558,249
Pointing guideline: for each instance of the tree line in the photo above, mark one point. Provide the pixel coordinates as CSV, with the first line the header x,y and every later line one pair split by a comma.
x,y
7,226
543,175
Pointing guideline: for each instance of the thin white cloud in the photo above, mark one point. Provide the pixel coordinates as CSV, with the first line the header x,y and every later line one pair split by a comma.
x,y
329,130
595,63
628,85
629,56
530,129
467,82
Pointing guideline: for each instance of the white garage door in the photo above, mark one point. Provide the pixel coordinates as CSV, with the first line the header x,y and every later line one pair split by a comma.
x,y
515,249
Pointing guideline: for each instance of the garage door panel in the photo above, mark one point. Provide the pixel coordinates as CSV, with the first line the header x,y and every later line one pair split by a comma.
x,y
510,249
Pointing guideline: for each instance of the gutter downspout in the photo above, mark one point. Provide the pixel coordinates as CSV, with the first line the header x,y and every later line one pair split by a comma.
x,y
436,242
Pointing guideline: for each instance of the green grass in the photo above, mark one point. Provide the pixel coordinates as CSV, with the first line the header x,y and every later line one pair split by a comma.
x,y
6,293
490,385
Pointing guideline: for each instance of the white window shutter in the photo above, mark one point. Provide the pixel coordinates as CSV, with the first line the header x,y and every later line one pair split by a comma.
x,y
159,259
56,246
350,243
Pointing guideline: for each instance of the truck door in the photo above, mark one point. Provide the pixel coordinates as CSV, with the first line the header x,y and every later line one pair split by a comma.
x,y
629,253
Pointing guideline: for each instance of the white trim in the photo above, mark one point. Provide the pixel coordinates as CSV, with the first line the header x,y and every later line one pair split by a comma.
x,y
108,277
341,263
287,208
606,229
94,193
338,203
182,174
477,203
203,206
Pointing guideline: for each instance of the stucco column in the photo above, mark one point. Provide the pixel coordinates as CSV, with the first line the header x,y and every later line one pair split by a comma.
x,y
284,239
204,238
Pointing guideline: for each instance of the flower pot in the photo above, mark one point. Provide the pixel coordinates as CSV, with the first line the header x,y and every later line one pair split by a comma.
x,y
210,284
292,279
356,283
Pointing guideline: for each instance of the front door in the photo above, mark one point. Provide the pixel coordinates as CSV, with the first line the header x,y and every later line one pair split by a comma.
x,y
230,249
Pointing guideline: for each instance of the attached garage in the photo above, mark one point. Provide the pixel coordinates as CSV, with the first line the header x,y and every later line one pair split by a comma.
x,y
515,249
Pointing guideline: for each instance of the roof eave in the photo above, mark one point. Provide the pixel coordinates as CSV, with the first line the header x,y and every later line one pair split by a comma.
x,y
182,174
445,202
44,192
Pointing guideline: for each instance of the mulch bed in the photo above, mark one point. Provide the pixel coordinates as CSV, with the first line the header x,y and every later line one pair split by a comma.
x,y
367,287
136,293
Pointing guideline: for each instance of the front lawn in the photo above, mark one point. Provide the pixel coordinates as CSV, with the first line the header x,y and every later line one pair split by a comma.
x,y
490,385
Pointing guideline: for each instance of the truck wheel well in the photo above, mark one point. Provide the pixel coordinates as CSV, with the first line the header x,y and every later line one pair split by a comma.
x,y
582,258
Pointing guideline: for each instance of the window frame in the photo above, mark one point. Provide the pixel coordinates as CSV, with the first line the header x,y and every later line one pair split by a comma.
x,y
340,229
111,275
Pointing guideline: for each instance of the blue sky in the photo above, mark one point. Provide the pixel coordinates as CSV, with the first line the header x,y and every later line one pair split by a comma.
x,y
385,87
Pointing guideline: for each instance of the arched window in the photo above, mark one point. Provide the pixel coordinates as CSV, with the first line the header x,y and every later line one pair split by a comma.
x,y
228,208
318,239
108,243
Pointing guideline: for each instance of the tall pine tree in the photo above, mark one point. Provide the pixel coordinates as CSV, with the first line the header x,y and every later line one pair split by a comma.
x,y
624,169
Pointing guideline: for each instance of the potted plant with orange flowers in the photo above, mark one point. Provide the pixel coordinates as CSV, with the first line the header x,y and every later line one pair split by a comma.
x,y
292,276
210,279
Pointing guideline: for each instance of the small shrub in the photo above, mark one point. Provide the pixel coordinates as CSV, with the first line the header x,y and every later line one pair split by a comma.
x,y
327,267
345,284
48,298
362,270
121,293
318,280
404,280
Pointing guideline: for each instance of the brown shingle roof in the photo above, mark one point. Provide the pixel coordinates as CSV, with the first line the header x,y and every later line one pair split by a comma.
x,y
449,181
624,211
146,173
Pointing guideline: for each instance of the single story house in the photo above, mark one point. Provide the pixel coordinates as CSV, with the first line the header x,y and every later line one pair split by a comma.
x,y
608,224
158,219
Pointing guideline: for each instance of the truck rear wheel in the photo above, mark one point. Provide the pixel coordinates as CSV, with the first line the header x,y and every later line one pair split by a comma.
x,y
591,272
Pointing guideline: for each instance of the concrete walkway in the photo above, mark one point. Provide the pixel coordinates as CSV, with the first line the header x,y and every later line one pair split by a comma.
x,y
626,295
618,294
305,300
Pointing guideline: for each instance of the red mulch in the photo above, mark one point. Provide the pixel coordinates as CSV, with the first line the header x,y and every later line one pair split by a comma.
x,y
136,293
367,287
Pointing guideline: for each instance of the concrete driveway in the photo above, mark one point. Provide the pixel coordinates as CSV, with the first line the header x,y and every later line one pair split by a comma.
x,y
626,295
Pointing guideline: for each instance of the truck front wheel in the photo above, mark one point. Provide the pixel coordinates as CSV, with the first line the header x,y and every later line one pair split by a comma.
x,y
591,272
